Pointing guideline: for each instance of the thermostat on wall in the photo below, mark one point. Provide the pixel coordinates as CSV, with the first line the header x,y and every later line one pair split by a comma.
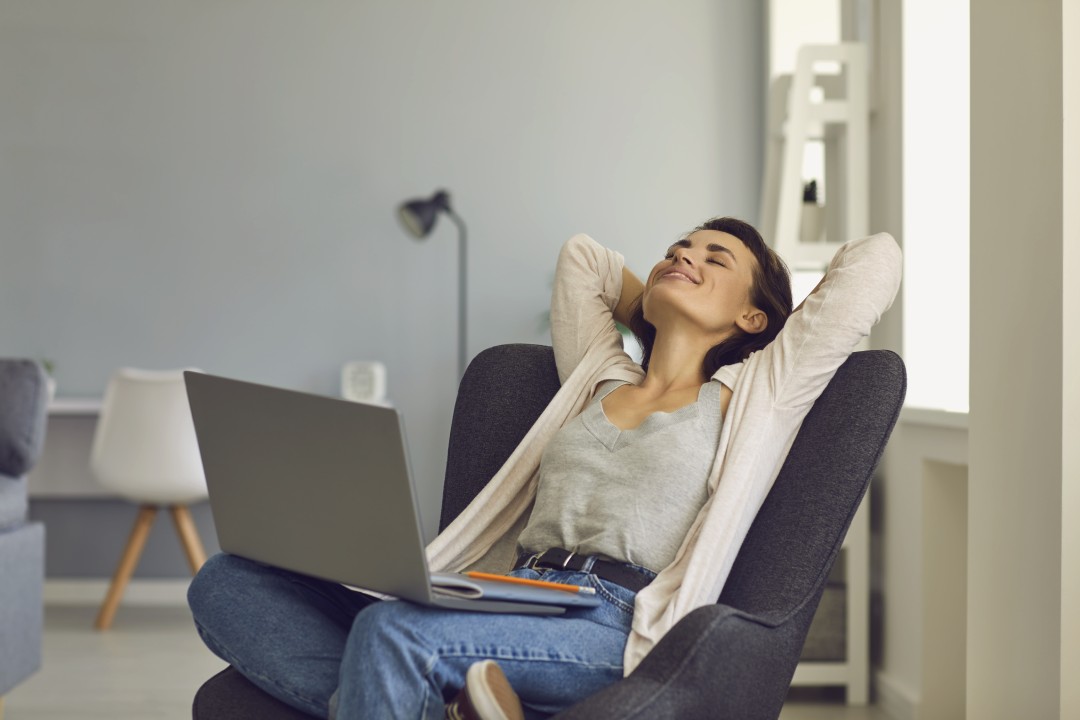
x,y
363,381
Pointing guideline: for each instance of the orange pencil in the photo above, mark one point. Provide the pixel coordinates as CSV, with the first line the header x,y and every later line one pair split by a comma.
x,y
535,583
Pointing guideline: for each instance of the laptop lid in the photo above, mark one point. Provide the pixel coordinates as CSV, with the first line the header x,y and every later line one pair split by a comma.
x,y
310,483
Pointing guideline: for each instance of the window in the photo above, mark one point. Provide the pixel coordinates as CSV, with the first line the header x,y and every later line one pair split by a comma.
x,y
936,187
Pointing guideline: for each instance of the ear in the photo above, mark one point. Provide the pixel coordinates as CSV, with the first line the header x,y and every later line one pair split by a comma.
x,y
752,321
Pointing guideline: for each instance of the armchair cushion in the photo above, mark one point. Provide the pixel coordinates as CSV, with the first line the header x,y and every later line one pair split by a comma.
x,y
13,502
229,695
709,665
22,571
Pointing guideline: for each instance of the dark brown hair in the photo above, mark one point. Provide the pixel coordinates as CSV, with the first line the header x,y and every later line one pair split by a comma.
x,y
770,292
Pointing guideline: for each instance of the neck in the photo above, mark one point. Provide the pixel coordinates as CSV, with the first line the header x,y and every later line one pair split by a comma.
x,y
676,361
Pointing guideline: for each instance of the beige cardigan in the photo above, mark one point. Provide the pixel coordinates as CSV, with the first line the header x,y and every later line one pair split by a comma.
x,y
772,392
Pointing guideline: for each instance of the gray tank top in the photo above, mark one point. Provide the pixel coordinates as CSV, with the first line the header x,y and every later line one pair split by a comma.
x,y
630,495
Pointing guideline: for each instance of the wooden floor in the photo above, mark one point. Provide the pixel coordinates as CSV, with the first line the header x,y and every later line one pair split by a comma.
x,y
150,663
814,704
146,667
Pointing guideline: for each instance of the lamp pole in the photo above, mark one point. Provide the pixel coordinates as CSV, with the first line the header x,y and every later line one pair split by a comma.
x,y
419,216
462,277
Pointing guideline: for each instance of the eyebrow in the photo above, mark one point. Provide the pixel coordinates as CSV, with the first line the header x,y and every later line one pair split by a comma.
x,y
711,247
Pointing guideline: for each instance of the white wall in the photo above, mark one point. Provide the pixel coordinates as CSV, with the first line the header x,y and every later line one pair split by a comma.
x,y
214,184
886,151
911,600
1070,424
1017,311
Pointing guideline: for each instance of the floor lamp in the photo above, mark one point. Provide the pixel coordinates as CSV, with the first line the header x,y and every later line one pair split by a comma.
x,y
419,216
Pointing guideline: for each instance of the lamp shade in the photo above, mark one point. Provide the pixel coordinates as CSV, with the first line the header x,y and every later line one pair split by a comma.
x,y
418,216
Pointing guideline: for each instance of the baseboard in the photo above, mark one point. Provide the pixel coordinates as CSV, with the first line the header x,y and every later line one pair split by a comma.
x,y
79,591
897,701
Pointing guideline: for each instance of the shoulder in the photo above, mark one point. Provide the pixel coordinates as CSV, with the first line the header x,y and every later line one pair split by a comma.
x,y
728,375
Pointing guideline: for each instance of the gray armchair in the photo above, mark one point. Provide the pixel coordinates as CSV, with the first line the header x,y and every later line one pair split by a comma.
x,y
732,660
23,400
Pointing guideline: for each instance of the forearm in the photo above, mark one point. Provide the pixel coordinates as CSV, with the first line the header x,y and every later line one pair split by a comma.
x,y
588,283
858,288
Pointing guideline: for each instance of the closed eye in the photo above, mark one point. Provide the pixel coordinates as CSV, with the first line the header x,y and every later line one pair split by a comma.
x,y
714,261
684,243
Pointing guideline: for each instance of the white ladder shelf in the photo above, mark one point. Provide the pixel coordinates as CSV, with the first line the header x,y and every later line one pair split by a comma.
x,y
842,120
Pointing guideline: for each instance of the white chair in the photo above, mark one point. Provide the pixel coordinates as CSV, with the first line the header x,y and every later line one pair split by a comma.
x,y
145,451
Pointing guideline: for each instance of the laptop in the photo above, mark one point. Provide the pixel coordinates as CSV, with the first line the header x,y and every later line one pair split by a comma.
x,y
322,486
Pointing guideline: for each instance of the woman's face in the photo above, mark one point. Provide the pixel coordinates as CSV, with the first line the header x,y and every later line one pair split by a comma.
x,y
704,279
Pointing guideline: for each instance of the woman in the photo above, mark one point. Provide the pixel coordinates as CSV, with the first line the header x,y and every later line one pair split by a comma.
x,y
624,468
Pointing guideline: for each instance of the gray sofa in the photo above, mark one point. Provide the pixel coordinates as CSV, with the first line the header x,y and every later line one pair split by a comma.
x,y
23,401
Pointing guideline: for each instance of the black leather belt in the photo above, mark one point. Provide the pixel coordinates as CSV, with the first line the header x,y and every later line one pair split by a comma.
x,y
610,570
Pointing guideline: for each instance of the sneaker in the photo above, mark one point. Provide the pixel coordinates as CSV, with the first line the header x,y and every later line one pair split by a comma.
x,y
487,695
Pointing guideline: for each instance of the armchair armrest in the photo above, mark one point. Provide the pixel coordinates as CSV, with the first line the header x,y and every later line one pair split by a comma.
x,y
718,658
23,400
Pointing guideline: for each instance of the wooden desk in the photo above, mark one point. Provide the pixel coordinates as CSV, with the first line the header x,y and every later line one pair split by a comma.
x,y
64,468
74,406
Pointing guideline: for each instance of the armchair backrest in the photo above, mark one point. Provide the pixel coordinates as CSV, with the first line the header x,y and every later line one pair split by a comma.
x,y
794,540
796,535
503,392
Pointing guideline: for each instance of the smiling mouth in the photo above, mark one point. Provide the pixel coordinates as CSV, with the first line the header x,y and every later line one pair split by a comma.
x,y
677,275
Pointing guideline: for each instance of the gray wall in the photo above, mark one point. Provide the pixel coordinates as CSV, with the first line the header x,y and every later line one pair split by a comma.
x,y
214,183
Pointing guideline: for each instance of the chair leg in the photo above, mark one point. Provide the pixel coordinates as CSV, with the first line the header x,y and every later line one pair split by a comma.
x,y
128,561
189,536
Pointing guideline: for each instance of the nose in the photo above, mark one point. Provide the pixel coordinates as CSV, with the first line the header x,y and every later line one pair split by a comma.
x,y
682,254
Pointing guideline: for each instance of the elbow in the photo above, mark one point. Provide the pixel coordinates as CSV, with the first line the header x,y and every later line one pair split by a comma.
x,y
881,252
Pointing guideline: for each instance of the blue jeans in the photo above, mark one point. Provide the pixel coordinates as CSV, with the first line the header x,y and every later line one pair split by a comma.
x,y
301,639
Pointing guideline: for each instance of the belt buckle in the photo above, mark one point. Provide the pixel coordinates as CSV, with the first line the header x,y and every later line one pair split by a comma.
x,y
554,563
